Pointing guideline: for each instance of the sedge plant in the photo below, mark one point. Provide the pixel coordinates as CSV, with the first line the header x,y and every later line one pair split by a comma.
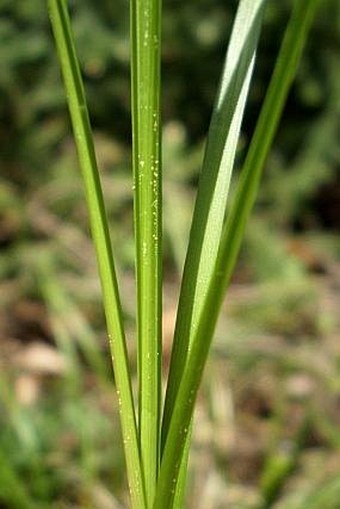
x,y
157,437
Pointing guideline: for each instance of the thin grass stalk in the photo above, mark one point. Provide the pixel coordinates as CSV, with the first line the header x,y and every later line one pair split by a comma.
x,y
213,189
100,232
283,75
145,84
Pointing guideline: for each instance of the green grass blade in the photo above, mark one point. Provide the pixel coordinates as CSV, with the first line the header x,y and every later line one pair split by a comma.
x,y
145,71
213,188
282,77
181,485
100,233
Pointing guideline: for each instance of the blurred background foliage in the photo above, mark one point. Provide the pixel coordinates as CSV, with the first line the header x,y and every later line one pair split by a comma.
x,y
269,415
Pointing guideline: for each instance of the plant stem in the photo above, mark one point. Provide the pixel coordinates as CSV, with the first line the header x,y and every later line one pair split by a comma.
x,y
284,71
100,232
145,71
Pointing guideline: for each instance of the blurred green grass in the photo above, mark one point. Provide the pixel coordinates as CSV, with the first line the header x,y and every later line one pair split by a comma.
x,y
267,423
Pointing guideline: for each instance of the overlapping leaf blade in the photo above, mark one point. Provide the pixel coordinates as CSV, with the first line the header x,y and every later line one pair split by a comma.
x,y
232,234
213,187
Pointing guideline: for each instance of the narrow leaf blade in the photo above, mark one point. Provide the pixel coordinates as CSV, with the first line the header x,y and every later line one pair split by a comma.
x,y
213,188
100,232
284,72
